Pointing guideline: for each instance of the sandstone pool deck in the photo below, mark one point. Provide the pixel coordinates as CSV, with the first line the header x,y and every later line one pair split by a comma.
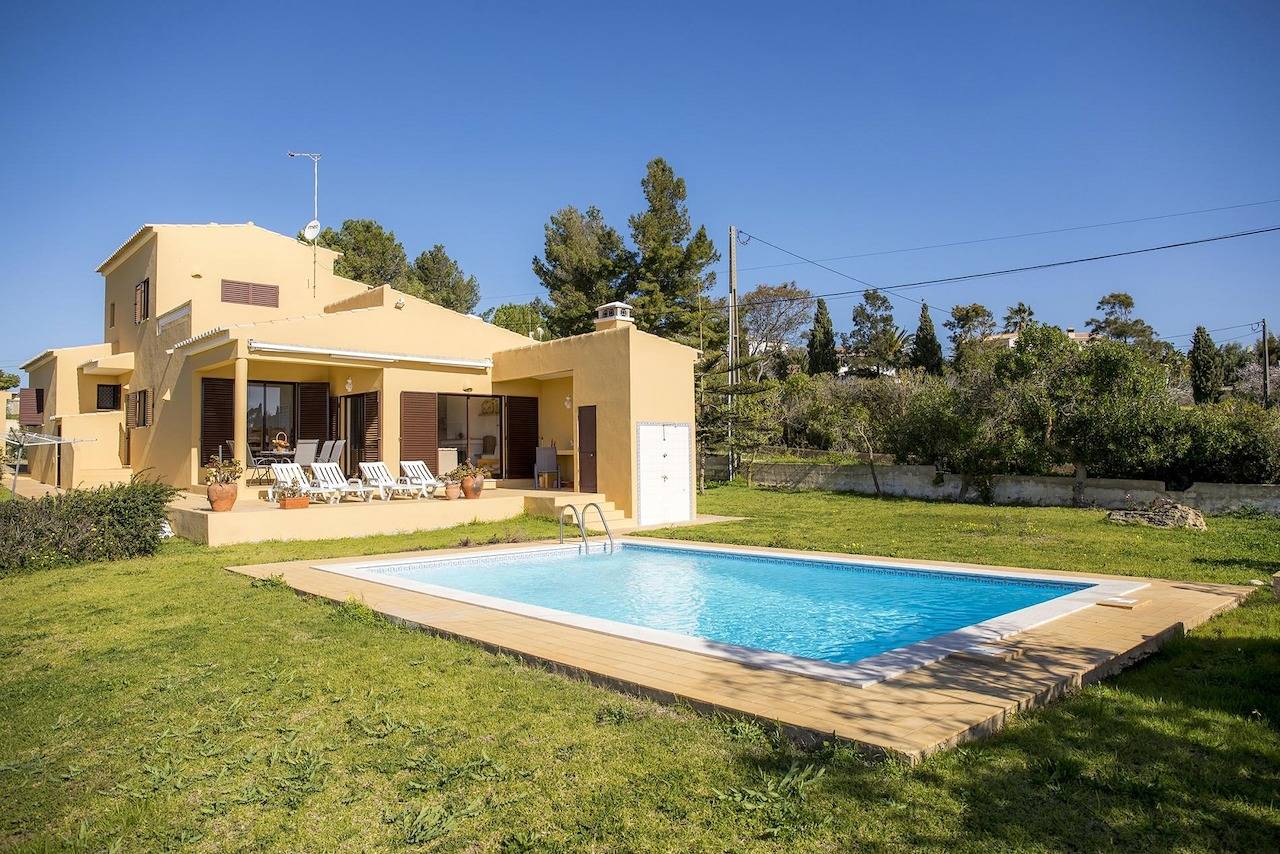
x,y
908,716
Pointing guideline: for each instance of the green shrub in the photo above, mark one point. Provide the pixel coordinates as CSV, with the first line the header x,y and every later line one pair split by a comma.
x,y
1236,441
83,525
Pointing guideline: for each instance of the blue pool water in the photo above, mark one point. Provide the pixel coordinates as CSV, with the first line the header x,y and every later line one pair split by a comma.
x,y
836,612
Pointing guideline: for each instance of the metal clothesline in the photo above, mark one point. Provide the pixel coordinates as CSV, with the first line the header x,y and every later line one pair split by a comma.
x,y
23,439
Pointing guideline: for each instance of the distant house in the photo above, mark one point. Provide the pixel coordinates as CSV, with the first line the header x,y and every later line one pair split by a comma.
x,y
1009,339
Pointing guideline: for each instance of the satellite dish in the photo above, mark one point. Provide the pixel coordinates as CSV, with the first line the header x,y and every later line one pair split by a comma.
x,y
312,230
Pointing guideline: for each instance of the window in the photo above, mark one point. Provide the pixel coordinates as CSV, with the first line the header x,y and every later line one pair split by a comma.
x,y
251,293
137,410
141,301
473,425
108,398
39,401
111,315
272,411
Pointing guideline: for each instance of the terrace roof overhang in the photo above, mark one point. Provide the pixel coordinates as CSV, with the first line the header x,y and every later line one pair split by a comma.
x,y
109,366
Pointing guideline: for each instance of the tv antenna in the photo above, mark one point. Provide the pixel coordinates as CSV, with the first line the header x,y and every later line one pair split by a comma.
x,y
312,229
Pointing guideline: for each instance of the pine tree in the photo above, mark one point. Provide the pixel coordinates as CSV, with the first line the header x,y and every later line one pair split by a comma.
x,y
822,342
671,275
1017,317
437,278
926,351
1206,367
585,264
370,253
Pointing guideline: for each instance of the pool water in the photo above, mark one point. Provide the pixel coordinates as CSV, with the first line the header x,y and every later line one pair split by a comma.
x,y
832,611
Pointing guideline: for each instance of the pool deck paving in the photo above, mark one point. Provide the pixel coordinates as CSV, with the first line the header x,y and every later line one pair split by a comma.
x,y
908,716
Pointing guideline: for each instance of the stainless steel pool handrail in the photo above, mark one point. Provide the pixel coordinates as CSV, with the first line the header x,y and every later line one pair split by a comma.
x,y
582,528
603,521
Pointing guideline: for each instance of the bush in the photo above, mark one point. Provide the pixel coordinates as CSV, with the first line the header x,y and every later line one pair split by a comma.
x,y
1236,441
83,525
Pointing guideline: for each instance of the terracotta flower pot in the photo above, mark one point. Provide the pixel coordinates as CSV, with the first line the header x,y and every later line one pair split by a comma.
x,y
297,502
452,491
471,487
222,496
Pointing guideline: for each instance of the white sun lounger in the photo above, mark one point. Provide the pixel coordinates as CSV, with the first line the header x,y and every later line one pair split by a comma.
x,y
388,487
329,476
291,474
416,472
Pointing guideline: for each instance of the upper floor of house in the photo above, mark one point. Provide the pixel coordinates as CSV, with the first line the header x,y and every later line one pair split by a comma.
x,y
207,276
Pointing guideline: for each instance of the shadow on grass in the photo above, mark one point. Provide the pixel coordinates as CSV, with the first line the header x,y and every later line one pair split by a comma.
x,y
1263,567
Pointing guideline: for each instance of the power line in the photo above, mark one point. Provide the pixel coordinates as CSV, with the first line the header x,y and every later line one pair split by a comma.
x,y
1022,234
1253,323
1009,271
869,286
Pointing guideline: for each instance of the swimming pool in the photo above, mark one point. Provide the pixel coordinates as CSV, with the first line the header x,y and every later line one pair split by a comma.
x,y
852,621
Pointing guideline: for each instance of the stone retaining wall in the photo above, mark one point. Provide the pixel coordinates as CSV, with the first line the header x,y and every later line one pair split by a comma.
x,y
924,482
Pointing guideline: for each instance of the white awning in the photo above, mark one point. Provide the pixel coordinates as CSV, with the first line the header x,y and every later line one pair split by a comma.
x,y
370,356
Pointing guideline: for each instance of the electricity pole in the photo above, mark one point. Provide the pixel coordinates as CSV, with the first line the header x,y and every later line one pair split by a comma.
x,y
1266,367
733,334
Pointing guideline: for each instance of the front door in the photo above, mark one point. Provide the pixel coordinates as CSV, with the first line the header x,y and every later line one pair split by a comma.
x,y
586,448
353,432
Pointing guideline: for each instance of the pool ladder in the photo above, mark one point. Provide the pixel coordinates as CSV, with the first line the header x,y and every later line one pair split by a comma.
x,y
582,525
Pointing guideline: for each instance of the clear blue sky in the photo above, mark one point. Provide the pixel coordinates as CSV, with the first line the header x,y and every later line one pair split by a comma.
x,y
827,129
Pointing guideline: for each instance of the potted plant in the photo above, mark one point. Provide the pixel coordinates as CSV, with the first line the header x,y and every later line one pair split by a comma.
x,y
222,477
291,497
470,478
452,486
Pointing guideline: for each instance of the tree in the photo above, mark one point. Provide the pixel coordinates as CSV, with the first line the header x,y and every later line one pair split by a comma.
x,y
822,342
1016,317
773,318
875,340
9,380
585,264
370,253
969,326
671,274
528,318
1117,321
437,278
1206,367
926,351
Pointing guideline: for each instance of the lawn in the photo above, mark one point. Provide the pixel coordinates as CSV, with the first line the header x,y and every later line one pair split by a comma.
x,y
164,702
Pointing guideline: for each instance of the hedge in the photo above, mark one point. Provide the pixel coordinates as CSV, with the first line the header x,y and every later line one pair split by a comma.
x,y
82,525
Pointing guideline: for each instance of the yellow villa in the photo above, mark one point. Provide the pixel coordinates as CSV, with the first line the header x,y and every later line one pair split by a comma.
x,y
232,339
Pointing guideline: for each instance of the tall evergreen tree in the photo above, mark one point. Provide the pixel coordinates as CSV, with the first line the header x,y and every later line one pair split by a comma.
x,y
969,326
1016,317
585,264
1117,321
671,274
1206,367
926,351
822,342
876,341
527,318
370,253
437,278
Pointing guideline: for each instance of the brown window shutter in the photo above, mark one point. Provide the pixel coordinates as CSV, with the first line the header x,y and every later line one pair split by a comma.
x,y
419,427
217,417
30,407
235,291
522,435
313,411
148,407
251,293
131,410
333,418
141,301
372,428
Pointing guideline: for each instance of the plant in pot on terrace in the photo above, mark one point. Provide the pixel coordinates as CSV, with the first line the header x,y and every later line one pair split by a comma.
x,y
290,496
470,477
222,477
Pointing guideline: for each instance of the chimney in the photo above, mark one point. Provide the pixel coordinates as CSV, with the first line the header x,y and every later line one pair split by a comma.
x,y
611,315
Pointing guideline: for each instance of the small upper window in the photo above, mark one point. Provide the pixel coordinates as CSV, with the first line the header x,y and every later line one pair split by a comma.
x,y
251,293
141,301
108,398
111,315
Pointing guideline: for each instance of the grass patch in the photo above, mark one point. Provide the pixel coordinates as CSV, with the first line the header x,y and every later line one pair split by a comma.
x,y
164,702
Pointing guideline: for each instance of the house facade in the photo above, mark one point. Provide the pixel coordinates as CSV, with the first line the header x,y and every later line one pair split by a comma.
x,y
222,339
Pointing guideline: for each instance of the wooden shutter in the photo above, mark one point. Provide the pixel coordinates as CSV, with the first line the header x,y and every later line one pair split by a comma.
x,y
333,418
148,407
131,410
420,427
313,411
141,301
372,429
30,407
522,435
217,417
251,293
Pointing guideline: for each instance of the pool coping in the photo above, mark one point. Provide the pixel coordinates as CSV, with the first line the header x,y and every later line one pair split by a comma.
x,y
863,673
940,705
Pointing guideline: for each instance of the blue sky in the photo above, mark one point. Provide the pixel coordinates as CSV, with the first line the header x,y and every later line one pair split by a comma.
x,y
829,129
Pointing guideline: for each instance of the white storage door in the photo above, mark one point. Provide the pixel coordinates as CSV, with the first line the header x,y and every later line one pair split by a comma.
x,y
664,471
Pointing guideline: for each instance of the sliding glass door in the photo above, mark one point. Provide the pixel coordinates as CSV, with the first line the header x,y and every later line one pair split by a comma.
x,y
472,424
272,410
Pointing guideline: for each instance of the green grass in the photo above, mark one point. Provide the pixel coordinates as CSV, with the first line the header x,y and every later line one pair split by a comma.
x,y
5,495
166,703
